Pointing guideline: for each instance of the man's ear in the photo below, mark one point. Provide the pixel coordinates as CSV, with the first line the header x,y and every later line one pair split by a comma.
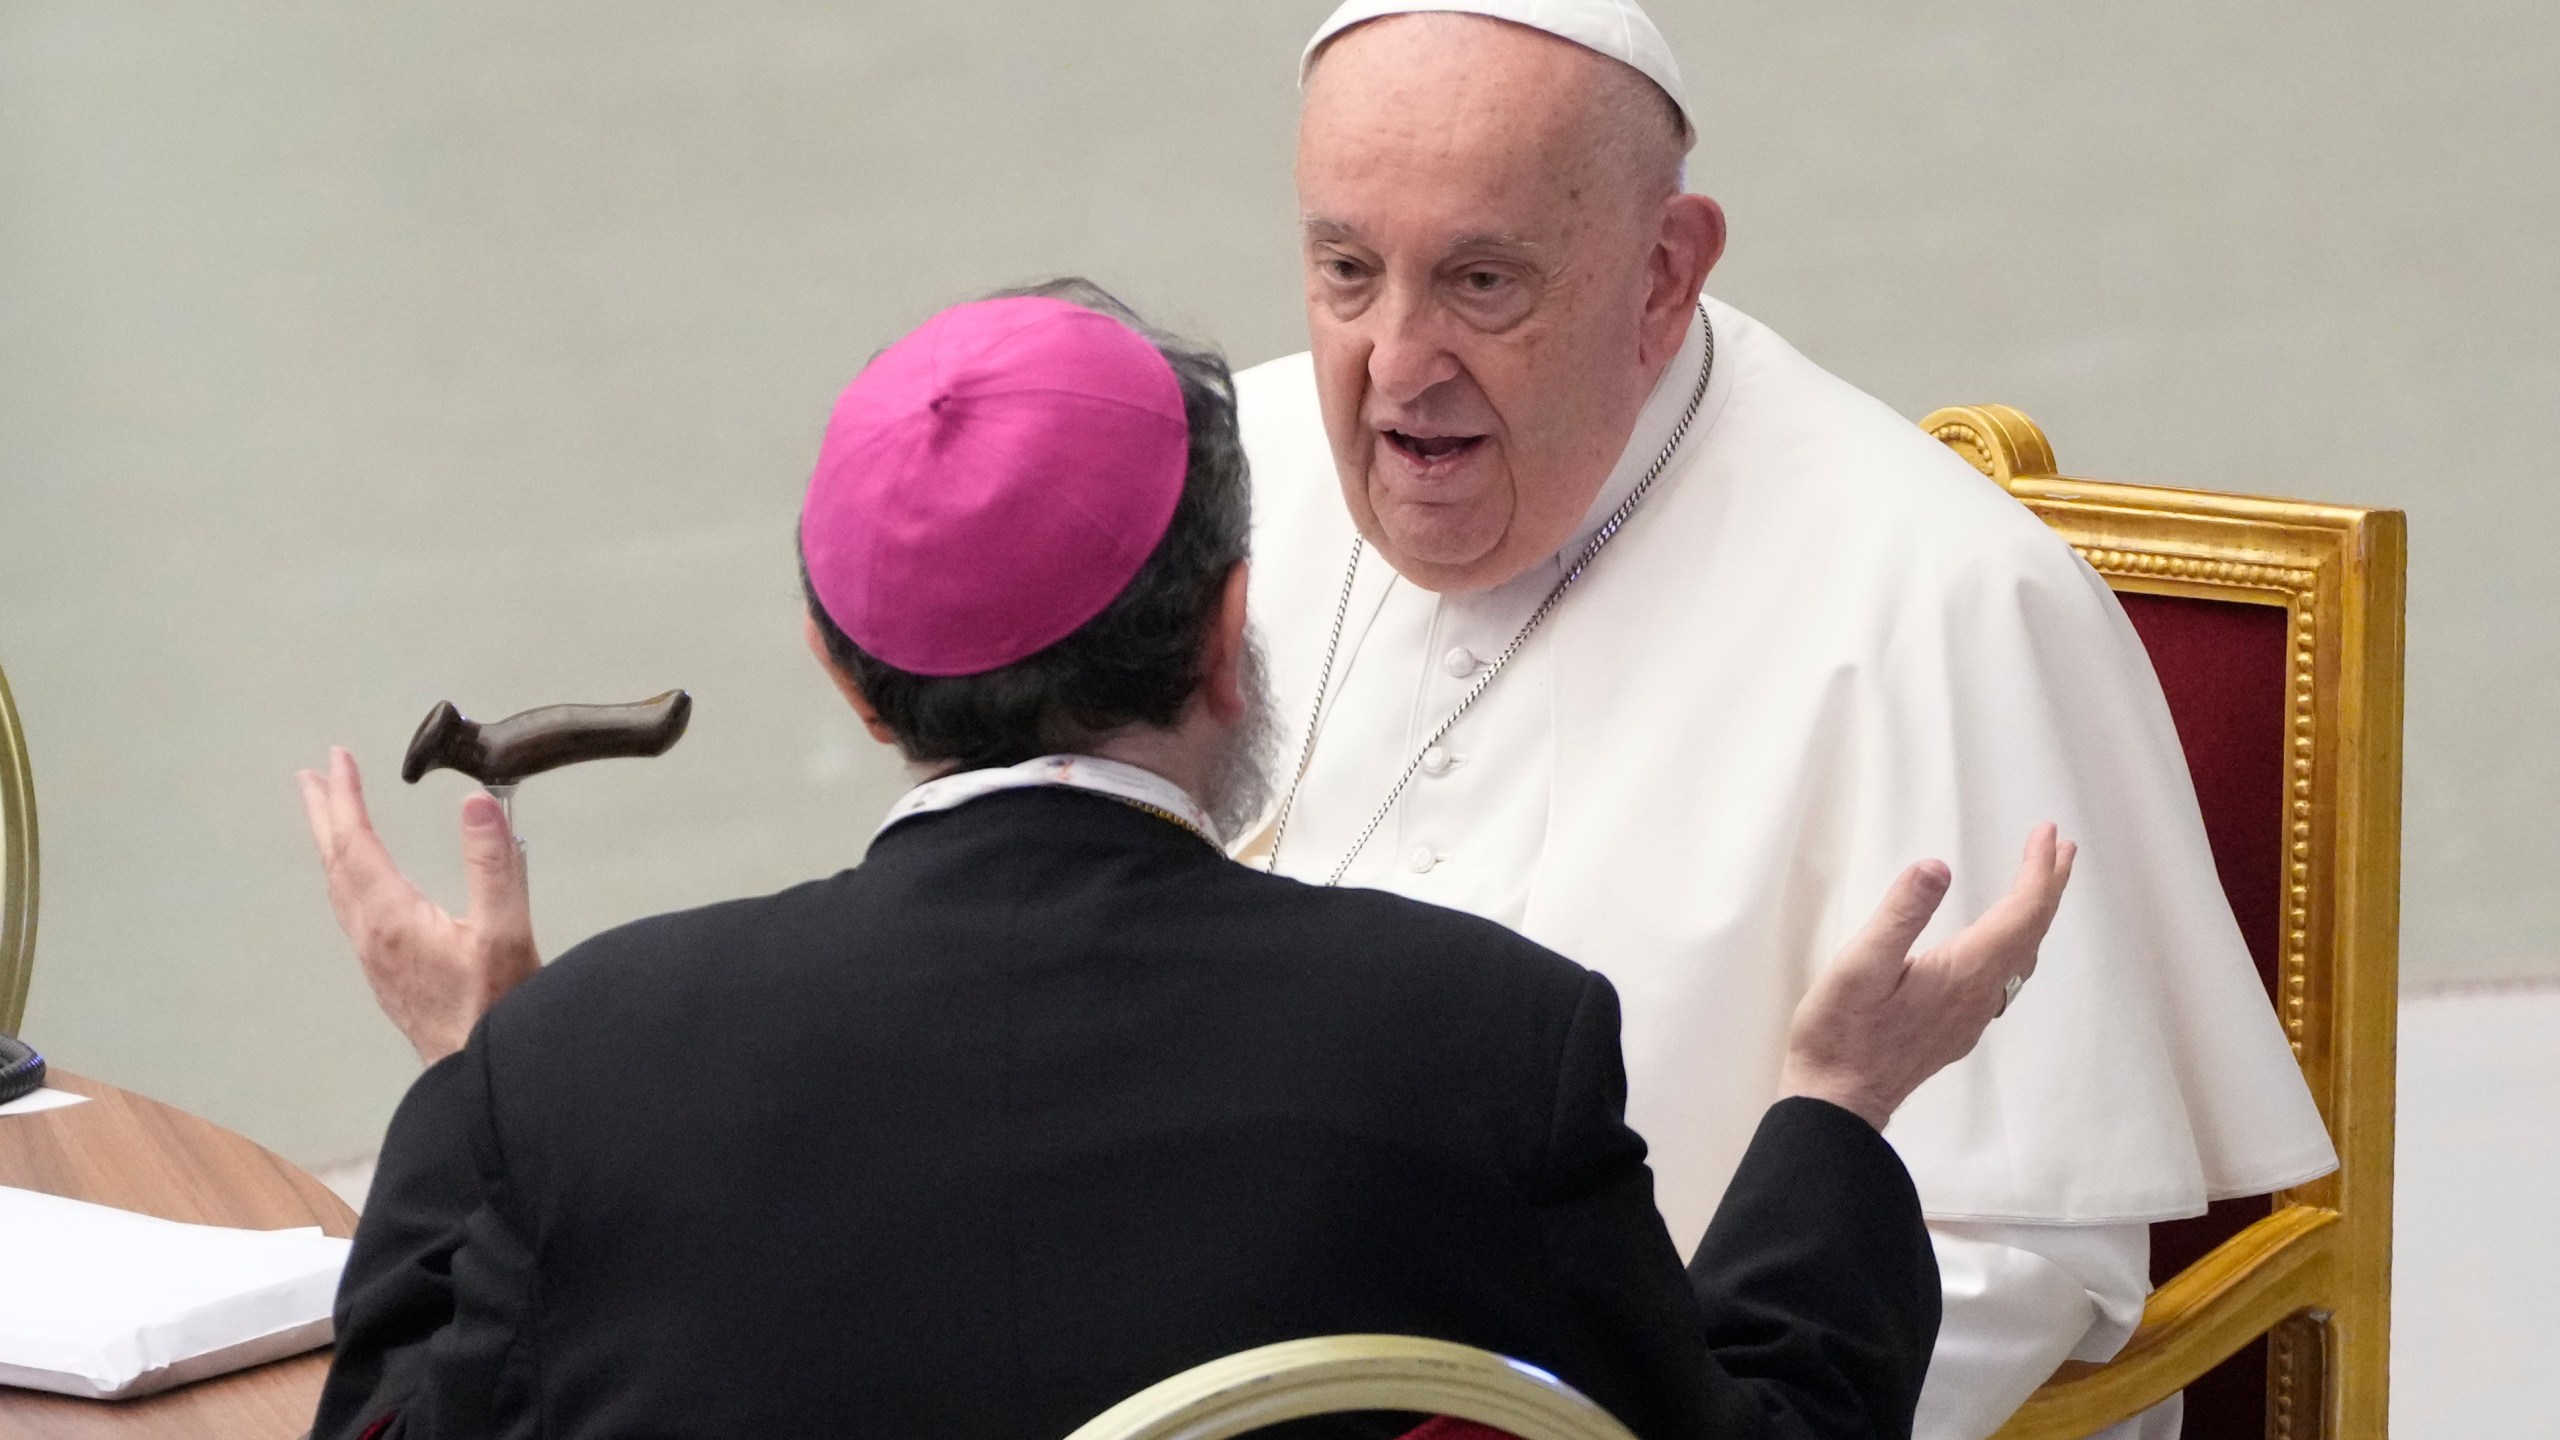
x,y
1686,251
852,693
1222,662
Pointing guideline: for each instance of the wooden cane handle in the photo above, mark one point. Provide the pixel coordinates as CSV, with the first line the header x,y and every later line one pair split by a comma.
x,y
503,752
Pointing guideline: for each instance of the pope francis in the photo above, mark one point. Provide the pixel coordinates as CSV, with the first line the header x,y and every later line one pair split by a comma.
x,y
1601,612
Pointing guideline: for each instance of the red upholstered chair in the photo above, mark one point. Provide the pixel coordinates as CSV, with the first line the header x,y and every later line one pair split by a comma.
x,y
2275,627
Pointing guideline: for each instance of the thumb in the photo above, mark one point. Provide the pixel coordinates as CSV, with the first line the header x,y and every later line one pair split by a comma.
x,y
1885,942
493,868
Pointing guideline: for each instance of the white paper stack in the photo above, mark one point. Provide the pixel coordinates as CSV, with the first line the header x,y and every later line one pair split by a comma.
x,y
109,1304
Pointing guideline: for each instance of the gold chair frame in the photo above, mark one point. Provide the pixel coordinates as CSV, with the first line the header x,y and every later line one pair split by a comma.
x,y
2315,1274
1335,1373
17,865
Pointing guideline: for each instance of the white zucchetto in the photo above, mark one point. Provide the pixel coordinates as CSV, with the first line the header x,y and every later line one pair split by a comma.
x,y
1618,29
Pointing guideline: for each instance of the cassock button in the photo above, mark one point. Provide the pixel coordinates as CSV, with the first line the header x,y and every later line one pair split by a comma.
x,y
1421,860
1437,760
1462,662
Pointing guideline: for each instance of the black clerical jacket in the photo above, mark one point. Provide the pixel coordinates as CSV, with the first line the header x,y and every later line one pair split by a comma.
x,y
1046,1101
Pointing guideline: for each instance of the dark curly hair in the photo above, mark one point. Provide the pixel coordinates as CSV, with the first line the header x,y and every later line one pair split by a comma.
x,y
1136,663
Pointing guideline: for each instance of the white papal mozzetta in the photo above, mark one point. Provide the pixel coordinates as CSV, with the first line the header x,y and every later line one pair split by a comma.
x,y
1821,648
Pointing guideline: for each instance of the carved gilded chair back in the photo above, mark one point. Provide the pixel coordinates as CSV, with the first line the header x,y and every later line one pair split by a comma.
x,y
2275,626
17,865
1333,1374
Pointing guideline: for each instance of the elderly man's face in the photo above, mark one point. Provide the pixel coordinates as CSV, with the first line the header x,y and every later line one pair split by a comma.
x,y
1488,288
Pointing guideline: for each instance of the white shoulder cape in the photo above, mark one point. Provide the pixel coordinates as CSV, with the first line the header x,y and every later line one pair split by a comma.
x,y
1825,648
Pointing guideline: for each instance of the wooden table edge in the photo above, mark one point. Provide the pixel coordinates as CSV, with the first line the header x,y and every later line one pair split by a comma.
x,y
131,1151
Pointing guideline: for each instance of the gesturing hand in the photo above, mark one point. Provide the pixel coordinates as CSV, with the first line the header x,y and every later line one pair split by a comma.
x,y
434,975
1881,1019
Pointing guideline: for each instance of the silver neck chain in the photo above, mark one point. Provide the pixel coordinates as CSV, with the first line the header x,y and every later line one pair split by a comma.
x,y
1591,549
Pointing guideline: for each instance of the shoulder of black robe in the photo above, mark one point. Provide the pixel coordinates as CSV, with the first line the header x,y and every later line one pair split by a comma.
x,y
1040,1059
653,1037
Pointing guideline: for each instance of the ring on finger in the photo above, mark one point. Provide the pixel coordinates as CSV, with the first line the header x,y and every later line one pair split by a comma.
x,y
2009,993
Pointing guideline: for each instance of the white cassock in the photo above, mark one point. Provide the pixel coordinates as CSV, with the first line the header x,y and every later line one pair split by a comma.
x,y
1822,648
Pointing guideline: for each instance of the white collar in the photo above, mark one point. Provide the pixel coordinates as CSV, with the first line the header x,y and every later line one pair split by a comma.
x,y
1144,789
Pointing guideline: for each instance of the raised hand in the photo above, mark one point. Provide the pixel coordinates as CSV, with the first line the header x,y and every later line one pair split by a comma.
x,y
1881,1020
433,974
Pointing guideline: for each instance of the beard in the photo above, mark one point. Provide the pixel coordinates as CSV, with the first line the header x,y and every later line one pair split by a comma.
x,y
1239,784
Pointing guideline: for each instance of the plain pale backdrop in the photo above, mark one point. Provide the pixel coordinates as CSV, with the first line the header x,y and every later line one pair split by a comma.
x,y
356,356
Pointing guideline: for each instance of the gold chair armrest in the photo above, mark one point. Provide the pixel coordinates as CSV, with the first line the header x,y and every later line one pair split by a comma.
x,y
2249,1284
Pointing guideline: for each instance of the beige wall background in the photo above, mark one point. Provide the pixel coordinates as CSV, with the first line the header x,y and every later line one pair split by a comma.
x,y
355,356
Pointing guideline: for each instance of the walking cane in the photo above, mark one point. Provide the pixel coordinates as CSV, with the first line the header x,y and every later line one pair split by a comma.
x,y
503,753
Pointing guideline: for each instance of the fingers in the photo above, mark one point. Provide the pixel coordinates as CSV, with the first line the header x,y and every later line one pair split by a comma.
x,y
2005,937
2043,871
359,868
493,868
2035,893
315,811
2037,896
346,793
1884,943
2004,943
2035,867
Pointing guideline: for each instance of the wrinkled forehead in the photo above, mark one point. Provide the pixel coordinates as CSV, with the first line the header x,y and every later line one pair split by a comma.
x,y
1470,124
1459,69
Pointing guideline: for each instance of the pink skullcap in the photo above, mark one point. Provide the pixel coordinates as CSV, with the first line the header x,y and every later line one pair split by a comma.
x,y
992,482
